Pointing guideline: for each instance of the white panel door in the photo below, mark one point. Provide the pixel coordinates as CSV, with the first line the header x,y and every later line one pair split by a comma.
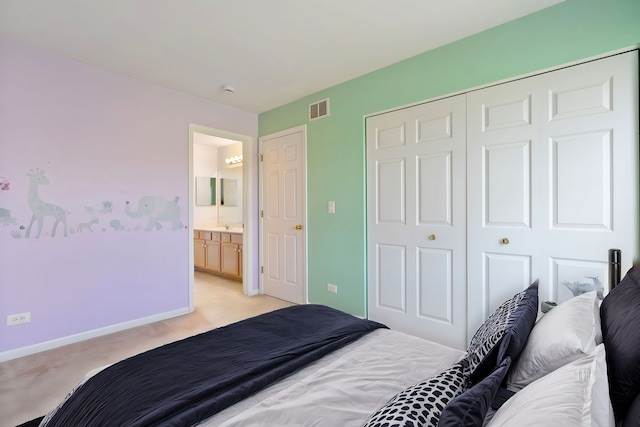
x,y
590,204
283,215
416,223
552,181
503,186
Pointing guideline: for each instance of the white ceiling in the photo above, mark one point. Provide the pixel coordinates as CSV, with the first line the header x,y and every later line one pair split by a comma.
x,y
272,51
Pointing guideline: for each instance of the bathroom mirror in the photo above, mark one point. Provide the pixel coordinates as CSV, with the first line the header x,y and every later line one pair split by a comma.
x,y
228,192
205,191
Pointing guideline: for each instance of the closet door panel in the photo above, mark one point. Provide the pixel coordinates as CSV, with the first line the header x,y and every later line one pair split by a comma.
x,y
506,184
390,191
506,112
502,190
567,275
581,181
591,204
583,178
390,280
435,285
429,141
501,272
434,191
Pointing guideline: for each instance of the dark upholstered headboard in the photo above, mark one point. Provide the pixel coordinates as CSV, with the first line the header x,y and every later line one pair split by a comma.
x,y
620,317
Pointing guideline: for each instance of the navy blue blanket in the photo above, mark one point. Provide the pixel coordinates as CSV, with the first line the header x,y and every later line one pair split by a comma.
x,y
187,381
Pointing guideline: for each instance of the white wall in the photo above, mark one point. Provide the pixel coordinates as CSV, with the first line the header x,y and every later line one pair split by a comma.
x,y
205,164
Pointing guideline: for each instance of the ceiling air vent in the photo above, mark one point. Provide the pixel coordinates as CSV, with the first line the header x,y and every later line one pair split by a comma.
x,y
319,109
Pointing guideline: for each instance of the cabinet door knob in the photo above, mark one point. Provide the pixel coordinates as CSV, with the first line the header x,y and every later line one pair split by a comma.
x,y
299,227
432,237
504,241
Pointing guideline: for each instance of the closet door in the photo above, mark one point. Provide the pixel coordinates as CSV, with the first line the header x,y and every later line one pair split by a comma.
x,y
504,154
552,181
416,222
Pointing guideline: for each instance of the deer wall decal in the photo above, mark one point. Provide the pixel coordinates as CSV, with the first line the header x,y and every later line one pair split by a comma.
x,y
40,208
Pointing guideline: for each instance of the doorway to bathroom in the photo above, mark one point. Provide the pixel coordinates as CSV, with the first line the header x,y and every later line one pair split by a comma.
x,y
219,192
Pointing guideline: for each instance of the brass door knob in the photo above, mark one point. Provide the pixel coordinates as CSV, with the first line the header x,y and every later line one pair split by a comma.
x,y
432,237
299,227
504,241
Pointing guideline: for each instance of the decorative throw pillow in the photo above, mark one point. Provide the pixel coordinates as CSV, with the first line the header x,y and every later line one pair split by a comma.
x,y
574,395
620,317
470,408
564,334
503,334
421,404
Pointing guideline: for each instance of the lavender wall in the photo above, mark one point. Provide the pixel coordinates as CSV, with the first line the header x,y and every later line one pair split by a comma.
x,y
102,140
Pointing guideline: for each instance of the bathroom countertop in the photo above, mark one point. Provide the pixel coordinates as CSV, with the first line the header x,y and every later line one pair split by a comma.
x,y
221,229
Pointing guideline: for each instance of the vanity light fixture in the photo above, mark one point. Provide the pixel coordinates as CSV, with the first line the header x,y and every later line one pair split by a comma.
x,y
234,160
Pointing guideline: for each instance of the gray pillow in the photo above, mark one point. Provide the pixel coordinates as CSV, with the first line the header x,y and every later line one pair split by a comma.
x,y
503,334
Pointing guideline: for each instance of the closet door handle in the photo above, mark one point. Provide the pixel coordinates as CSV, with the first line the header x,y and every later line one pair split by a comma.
x,y
504,241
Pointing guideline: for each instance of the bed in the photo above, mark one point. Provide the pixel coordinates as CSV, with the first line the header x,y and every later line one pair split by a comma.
x,y
310,365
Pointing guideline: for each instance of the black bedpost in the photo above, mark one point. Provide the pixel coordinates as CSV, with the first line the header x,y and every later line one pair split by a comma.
x,y
614,267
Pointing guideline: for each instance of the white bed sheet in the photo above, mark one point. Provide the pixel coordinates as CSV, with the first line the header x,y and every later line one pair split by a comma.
x,y
345,387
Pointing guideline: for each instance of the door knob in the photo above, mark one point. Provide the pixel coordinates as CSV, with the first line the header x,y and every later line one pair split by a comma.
x,y
432,237
299,227
504,241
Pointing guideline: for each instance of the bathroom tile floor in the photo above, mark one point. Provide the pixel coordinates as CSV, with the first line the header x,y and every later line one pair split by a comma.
x,y
31,386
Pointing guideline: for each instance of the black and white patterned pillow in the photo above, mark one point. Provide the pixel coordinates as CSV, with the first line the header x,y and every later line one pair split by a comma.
x,y
421,404
504,333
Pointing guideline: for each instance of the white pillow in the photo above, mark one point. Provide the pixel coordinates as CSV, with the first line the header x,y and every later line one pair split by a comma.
x,y
566,333
576,394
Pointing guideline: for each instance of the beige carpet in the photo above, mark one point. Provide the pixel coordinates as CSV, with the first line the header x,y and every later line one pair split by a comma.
x,y
33,385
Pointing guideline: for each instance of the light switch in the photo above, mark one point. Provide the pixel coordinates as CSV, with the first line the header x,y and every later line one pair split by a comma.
x,y
331,207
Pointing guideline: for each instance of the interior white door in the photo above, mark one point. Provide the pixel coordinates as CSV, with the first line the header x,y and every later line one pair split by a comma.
x,y
416,220
283,215
552,181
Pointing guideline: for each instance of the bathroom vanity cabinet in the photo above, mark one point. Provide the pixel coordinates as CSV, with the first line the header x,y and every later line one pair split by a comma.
x,y
218,253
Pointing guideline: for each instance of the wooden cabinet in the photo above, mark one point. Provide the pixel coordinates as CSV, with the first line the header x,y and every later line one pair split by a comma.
x,y
218,253
213,253
206,250
231,254
199,250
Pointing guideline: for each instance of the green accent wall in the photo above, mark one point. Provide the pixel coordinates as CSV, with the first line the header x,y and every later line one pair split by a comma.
x,y
567,32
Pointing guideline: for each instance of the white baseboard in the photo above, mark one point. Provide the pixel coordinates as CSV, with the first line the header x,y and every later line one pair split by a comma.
x,y
253,292
71,339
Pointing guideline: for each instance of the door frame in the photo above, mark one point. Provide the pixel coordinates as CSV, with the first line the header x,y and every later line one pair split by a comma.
x,y
303,129
249,211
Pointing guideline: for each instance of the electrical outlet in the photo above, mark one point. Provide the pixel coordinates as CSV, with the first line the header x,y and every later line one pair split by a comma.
x,y
332,288
18,318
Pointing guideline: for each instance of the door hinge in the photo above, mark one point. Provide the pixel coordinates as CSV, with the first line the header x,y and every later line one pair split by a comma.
x,y
261,214
261,269
261,157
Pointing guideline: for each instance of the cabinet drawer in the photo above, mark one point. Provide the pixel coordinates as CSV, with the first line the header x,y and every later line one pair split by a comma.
x,y
196,234
236,238
226,238
214,236
205,235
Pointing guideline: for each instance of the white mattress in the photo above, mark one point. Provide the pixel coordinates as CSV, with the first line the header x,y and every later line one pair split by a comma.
x,y
345,387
